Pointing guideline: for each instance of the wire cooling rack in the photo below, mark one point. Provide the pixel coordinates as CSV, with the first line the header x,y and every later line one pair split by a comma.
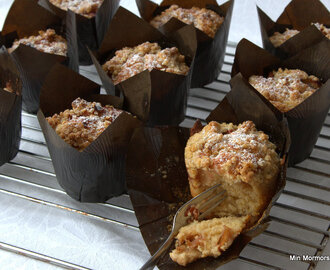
x,y
43,228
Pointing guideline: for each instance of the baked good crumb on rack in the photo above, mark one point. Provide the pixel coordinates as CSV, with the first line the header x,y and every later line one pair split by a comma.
x,y
286,88
203,19
47,41
128,62
82,124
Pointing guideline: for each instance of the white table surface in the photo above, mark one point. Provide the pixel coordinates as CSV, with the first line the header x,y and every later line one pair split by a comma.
x,y
101,252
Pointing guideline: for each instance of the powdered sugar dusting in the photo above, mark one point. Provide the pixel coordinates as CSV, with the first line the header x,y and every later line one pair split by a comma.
x,y
204,19
87,8
147,56
287,88
83,123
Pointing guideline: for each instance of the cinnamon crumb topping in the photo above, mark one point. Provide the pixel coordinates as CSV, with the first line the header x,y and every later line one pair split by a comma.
x,y
203,19
87,8
47,41
287,88
279,38
82,124
235,150
130,61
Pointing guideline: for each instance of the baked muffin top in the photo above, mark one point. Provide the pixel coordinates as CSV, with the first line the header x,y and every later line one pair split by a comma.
x,y
128,62
86,8
82,124
287,88
279,38
238,151
47,41
203,19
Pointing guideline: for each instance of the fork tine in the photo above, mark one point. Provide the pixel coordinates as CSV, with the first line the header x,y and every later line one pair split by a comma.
x,y
209,201
215,201
204,195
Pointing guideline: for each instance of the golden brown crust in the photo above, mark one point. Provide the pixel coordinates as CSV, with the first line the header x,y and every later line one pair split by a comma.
x,y
206,238
47,41
287,88
81,125
203,19
130,61
86,8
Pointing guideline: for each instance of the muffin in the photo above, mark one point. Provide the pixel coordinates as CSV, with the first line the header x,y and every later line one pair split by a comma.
x,y
128,62
239,157
203,19
47,41
287,88
206,238
86,8
245,163
82,124
279,38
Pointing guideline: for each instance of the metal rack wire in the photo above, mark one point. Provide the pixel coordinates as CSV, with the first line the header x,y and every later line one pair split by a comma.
x,y
300,218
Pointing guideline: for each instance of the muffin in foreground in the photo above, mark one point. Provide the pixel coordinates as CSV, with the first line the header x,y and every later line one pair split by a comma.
x,y
206,238
86,8
239,157
203,19
245,163
279,38
82,124
128,62
47,41
287,88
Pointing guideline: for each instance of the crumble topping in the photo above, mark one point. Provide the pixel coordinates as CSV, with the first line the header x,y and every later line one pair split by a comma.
x,y
287,88
204,19
86,8
128,62
279,38
236,150
82,124
47,41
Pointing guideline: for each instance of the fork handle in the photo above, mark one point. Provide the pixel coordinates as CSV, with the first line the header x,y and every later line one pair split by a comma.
x,y
150,264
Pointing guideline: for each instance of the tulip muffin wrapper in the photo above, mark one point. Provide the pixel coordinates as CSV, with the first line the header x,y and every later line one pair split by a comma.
x,y
98,172
210,51
160,96
157,181
26,18
295,16
305,120
10,107
90,31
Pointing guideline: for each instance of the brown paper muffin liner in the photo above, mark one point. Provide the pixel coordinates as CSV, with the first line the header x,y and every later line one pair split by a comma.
x,y
163,95
157,179
305,120
26,18
90,31
299,14
10,107
98,172
210,51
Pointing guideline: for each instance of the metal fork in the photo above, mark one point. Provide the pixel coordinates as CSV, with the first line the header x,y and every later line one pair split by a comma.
x,y
197,208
